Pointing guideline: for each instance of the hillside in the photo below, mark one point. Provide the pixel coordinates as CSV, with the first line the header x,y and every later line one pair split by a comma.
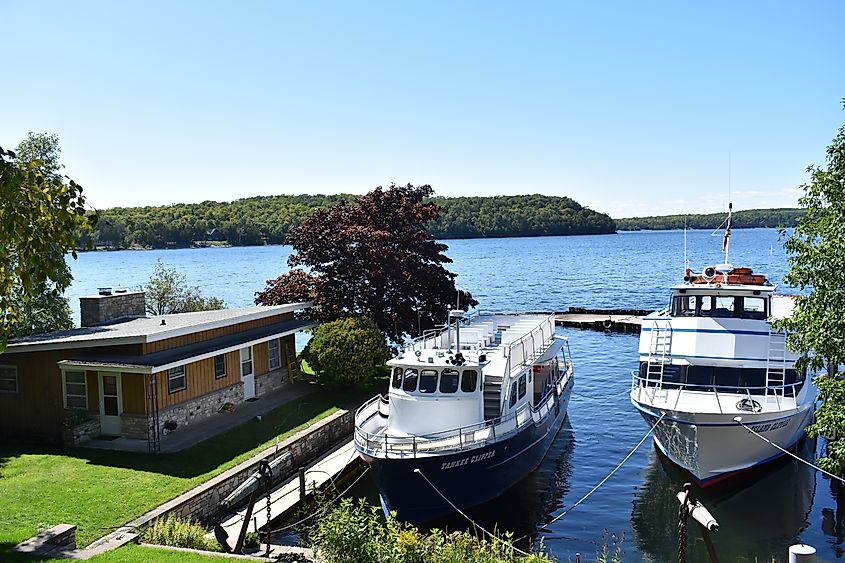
x,y
784,217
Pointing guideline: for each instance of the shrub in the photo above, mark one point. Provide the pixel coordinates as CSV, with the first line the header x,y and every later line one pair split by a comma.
x,y
356,533
347,352
177,532
251,539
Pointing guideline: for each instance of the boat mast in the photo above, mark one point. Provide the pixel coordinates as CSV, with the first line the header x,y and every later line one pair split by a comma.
x,y
726,243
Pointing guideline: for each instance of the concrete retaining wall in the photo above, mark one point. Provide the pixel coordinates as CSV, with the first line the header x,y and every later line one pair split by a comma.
x,y
202,503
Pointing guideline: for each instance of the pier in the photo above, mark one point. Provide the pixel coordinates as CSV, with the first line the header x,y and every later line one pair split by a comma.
x,y
606,320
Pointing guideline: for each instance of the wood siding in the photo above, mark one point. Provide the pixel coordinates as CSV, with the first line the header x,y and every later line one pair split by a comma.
x,y
134,399
199,378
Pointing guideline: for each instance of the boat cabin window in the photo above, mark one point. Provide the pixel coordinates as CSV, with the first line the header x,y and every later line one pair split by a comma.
x,y
449,380
397,378
469,381
428,381
724,379
512,400
410,382
522,386
719,306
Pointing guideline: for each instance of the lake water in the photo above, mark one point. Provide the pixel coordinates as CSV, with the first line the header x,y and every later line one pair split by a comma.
x,y
759,519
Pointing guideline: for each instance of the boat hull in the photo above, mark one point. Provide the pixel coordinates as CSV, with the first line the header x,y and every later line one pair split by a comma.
x,y
467,478
714,448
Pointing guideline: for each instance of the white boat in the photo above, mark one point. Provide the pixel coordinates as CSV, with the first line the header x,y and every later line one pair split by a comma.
x,y
471,410
713,356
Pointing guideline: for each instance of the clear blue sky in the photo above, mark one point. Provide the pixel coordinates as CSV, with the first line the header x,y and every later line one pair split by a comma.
x,y
628,107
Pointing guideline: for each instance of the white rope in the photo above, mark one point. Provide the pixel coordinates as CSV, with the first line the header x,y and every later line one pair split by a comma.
x,y
738,420
603,481
470,520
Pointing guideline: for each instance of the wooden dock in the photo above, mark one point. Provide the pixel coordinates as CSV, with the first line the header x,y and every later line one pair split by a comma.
x,y
606,320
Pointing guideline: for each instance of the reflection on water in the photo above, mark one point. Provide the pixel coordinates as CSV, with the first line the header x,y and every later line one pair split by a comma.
x,y
759,517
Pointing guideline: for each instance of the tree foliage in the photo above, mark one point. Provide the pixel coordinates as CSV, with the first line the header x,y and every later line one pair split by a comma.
x,y
817,261
46,310
40,211
371,258
347,352
267,219
749,218
168,292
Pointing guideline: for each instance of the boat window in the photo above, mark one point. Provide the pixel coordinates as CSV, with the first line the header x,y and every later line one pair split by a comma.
x,y
512,401
724,307
754,308
522,386
428,381
683,306
469,381
705,306
410,382
448,380
397,378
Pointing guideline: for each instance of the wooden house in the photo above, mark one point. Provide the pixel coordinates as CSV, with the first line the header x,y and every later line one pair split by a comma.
x,y
125,374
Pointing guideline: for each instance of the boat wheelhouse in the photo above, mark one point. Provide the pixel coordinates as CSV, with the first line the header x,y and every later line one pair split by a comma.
x,y
711,363
472,408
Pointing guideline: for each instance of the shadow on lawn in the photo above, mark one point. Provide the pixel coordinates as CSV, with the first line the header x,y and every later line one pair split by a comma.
x,y
215,452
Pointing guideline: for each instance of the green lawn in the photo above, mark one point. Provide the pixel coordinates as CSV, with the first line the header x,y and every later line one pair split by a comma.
x,y
100,490
132,553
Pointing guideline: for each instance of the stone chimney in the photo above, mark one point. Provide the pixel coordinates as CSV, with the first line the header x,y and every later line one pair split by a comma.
x,y
109,306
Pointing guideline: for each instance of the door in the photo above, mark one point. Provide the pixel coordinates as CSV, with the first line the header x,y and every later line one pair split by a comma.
x,y
111,403
247,375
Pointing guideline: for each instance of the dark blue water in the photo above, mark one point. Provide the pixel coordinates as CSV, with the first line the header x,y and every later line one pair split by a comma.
x,y
637,507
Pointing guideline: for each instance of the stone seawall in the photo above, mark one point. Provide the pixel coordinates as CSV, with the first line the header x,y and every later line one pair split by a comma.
x,y
203,502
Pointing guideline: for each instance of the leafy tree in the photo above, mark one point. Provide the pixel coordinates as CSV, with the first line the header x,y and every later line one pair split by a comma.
x,y
40,211
371,258
347,352
168,292
817,324
45,311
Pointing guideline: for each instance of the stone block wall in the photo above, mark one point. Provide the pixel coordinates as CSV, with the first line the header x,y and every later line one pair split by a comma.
x,y
201,407
203,502
134,426
271,381
83,431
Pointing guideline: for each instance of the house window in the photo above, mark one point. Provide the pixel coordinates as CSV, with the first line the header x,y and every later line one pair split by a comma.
x,y
273,352
8,379
246,361
76,395
176,380
220,366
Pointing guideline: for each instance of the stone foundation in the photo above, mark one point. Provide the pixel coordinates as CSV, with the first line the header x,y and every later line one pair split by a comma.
x,y
82,431
271,381
133,426
200,408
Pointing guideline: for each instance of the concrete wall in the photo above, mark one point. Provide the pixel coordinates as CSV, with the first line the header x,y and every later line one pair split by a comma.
x,y
203,502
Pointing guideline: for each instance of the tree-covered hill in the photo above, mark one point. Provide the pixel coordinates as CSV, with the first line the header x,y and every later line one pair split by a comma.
x,y
266,219
784,217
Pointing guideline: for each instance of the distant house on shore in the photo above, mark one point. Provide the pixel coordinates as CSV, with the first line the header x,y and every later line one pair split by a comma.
x,y
125,374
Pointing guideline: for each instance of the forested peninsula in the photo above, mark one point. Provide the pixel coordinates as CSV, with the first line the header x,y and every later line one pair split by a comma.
x,y
750,218
266,220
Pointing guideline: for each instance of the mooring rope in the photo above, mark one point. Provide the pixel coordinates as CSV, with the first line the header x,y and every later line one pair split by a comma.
x,y
470,520
603,481
739,421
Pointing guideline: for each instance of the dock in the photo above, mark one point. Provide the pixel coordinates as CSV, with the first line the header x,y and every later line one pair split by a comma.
x,y
286,496
606,320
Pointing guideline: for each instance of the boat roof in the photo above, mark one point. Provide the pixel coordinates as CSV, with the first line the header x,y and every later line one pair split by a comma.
x,y
708,288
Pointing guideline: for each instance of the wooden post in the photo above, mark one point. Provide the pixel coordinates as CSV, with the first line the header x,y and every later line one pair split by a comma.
x,y
302,492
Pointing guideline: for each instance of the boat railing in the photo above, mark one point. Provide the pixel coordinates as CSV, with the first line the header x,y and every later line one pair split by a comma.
x,y
379,444
785,390
522,352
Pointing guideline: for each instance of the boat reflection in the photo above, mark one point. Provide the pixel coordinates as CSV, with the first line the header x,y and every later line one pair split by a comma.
x,y
759,517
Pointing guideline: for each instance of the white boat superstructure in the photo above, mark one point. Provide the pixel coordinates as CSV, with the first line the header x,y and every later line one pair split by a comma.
x,y
712,356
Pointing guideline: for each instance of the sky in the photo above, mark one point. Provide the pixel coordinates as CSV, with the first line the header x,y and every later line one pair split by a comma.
x,y
630,108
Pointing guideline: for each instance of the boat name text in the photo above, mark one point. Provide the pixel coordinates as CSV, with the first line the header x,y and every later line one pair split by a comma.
x,y
467,460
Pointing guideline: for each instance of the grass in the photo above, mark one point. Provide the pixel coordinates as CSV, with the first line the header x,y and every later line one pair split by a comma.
x,y
100,490
132,553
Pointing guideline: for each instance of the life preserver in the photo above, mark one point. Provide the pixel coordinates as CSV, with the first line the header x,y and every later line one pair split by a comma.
x,y
607,324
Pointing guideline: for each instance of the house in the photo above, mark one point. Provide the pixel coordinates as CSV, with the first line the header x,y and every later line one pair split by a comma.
x,y
125,374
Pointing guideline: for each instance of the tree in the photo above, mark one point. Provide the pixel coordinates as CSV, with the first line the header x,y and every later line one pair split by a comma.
x,y
372,258
40,211
168,292
347,352
817,324
42,148
46,311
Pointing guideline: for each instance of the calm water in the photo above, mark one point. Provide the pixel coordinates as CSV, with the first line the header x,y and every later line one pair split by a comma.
x,y
759,519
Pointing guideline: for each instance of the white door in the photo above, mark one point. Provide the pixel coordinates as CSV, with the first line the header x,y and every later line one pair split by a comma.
x,y
111,403
247,375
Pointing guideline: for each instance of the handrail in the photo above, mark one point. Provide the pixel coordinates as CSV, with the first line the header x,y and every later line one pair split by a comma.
x,y
637,377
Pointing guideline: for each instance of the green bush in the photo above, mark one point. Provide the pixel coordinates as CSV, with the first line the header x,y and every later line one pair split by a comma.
x,y
347,352
176,532
251,539
356,533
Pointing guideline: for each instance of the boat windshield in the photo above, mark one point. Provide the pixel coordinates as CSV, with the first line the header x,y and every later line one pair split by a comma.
x,y
722,379
720,306
447,381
